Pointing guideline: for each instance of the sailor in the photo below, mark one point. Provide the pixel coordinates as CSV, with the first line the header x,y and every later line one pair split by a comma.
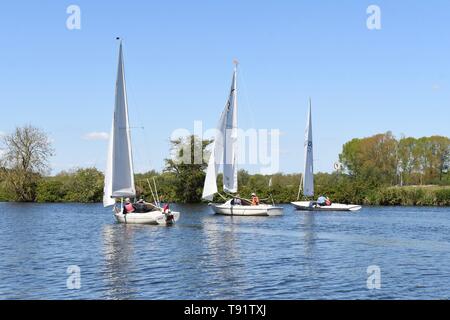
x,y
255,200
128,206
166,208
141,206
321,201
236,201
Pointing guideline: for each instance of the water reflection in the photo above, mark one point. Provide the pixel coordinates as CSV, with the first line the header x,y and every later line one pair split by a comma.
x,y
118,251
224,254
310,235
203,256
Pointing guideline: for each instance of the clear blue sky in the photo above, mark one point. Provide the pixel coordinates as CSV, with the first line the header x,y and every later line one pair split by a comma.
x,y
178,62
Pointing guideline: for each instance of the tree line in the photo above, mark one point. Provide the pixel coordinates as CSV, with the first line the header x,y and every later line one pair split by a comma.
x,y
380,170
384,160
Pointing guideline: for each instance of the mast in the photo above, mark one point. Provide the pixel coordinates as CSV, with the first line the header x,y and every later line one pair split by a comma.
x,y
119,175
224,149
230,181
308,173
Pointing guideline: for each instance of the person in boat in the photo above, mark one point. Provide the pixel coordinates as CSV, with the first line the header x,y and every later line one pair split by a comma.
x,y
321,201
236,201
166,208
255,200
128,206
141,206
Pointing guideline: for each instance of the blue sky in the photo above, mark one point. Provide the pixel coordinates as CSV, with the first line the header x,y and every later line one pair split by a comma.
x,y
178,62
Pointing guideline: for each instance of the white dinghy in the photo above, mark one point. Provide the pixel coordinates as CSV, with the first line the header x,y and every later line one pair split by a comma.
x,y
308,178
312,206
239,210
119,174
224,157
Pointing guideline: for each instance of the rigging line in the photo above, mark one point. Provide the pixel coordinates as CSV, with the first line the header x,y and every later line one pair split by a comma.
x,y
138,112
249,105
136,152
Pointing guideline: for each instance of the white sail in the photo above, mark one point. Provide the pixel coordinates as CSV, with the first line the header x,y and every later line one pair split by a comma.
x,y
230,182
119,176
308,173
107,191
224,149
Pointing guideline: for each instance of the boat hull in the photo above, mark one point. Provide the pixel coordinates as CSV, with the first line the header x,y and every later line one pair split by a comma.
x,y
152,217
309,206
238,210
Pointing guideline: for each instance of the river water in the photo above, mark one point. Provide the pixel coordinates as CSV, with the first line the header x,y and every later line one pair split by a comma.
x,y
296,256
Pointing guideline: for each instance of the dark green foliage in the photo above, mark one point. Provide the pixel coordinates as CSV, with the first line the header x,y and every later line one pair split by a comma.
x,y
82,185
187,166
374,167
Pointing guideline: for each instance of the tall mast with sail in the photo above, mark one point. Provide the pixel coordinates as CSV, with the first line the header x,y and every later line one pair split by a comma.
x,y
224,157
224,149
308,172
119,175
307,183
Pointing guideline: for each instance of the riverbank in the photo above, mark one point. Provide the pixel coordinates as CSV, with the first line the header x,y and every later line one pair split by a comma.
x,y
418,196
86,186
411,196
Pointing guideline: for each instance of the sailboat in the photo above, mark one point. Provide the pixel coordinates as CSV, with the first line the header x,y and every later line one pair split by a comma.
x,y
119,174
307,184
224,158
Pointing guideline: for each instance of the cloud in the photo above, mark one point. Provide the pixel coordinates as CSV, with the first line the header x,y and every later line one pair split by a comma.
x,y
436,87
96,136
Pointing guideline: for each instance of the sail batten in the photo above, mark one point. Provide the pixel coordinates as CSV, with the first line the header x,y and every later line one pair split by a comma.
x,y
308,173
119,175
224,149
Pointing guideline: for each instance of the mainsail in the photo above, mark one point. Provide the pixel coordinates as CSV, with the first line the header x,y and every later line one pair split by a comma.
x,y
308,173
224,149
119,176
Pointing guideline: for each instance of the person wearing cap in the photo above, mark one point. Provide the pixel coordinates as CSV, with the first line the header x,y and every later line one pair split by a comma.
x,y
255,200
128,206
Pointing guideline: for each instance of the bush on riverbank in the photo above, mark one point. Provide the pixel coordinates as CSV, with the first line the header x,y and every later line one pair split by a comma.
x,y
410,196
371,168
86,185
82,185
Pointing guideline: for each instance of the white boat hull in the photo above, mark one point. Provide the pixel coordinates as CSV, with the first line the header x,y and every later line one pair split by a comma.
x,y
310,206
239,210
152,217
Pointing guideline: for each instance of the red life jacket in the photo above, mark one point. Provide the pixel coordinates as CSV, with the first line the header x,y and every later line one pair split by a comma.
x,y
129,207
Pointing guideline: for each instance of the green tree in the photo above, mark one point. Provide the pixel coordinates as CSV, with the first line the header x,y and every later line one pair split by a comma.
x,y
187,165
25,159
372,159
85,185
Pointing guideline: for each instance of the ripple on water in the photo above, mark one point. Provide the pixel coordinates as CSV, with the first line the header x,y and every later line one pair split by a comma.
x,y
297,256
